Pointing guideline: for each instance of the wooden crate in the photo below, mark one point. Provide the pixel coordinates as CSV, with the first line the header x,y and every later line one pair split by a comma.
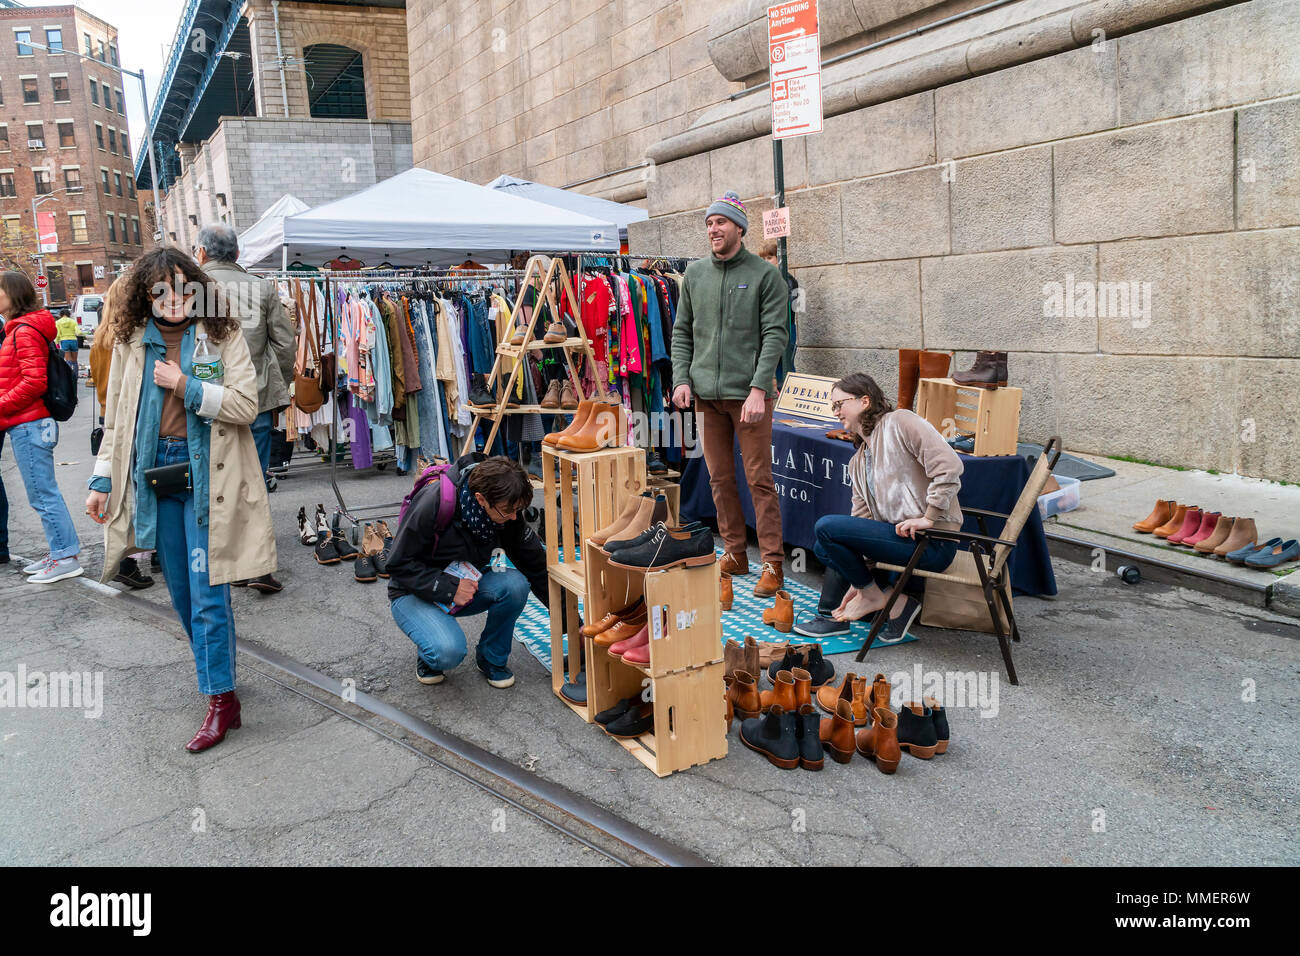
x,y
992,416
566,598
690,711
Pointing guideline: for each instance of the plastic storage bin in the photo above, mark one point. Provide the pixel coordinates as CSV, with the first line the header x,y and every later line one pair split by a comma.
x,y
1061,501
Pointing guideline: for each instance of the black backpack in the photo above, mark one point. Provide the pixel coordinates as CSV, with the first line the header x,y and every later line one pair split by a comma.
x,y
60,380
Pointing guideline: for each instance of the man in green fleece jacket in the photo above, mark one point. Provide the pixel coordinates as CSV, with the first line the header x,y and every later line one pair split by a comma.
x,y
729,335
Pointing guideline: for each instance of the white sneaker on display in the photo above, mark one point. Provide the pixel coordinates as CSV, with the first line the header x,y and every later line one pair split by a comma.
x,y
57,571
37,566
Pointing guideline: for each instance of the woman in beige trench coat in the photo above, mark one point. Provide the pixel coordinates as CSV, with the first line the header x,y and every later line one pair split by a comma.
x,y
212,524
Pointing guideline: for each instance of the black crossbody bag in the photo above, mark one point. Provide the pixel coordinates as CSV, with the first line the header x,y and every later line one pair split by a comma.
x,y
169,479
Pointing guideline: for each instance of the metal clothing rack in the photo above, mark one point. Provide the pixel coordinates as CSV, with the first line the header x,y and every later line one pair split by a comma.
x,y
356,516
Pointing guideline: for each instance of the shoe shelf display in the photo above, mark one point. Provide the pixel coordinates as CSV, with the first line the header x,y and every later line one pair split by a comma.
x,y
519,337
582,491
990,415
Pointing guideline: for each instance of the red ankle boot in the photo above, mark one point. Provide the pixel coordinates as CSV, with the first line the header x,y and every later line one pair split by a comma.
x,y
223,715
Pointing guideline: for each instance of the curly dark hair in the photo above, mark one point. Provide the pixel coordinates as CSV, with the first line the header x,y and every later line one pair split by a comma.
x,y
158,268
859,384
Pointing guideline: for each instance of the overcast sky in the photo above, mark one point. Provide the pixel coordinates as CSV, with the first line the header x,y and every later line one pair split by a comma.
x,y
144,35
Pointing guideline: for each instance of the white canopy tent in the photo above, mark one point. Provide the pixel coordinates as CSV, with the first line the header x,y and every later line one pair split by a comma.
x,y
262,242
423,218
619,213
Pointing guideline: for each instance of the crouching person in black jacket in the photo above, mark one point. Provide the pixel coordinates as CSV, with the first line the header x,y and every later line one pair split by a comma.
x,y
427,598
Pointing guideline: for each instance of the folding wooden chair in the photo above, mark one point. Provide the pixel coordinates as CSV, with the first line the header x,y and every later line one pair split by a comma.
x,y
985,564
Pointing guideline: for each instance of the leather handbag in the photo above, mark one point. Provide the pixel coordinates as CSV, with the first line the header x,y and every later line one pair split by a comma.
x,y
169,479
308,395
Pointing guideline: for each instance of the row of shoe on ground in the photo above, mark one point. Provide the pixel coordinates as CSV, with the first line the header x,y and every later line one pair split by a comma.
x,y
1214,533
783,725
333,547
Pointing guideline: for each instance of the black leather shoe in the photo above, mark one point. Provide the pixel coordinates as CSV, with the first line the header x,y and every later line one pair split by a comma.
x,y
618,710
916,732
808,732
129,573
327,549
241,583
344,548
637,720
267,584
364,569
774,735
667,549
818,666
694,527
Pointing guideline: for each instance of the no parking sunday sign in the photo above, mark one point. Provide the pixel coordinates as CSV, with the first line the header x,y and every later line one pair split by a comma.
x,y
794,58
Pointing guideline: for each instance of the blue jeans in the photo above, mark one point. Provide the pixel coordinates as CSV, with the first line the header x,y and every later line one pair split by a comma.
x,y
4,509
204,610
33,444
262,438
440,640
853,545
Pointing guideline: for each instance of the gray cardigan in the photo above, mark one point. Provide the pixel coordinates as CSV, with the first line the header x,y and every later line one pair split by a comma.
x,y
906,470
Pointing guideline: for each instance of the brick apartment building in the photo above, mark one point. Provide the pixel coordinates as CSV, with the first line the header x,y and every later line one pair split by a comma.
x,y
64,142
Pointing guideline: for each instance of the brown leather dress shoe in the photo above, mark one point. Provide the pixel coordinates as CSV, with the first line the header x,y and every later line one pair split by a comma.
x,y
770,582
781,614
1162,512
734,563
1174,524
555,333
223,715
622,630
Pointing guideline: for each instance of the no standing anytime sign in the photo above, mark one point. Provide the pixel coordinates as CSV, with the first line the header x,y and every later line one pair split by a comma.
x,y
794,58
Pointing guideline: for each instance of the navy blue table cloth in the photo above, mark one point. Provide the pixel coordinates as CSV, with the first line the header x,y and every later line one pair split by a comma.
x,y
811,474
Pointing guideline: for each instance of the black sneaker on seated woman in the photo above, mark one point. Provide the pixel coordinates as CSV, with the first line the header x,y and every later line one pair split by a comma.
x,y
129,573
426,674
895,628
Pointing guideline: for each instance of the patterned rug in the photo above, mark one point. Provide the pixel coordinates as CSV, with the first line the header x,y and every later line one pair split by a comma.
x,y
533,629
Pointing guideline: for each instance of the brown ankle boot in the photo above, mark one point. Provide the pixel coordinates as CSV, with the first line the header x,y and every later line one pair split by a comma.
x,y
1243,533
878,696
740,657
879,742
552,397
781,694
1162,512
745,698
726,596
909,372
989,371
802,687
575,426
223,715
770,581
734,563
852,689
836,733
598,431
780,615
1174,524
1221,532
731,707
618,524
568,398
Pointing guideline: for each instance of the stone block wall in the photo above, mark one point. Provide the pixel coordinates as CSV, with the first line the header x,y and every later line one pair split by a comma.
x,y
1158,170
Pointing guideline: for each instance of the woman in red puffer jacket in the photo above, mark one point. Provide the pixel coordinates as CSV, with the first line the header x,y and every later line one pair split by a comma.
x,y
26,423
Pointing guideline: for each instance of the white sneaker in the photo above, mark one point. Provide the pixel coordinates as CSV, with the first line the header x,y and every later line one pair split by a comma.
x,y
57,571
37,566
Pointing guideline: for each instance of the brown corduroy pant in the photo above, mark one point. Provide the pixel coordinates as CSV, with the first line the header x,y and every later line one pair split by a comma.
x,y
719,424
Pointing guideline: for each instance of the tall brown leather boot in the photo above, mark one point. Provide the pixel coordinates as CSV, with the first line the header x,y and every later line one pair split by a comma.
x,y
1162,512
935,364
1221,532
1243,533
781,694
1173,525
745,698
579,420
836,733
879,742
909,371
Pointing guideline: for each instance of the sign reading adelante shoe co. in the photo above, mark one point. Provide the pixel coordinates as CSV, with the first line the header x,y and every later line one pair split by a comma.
x,y
807,395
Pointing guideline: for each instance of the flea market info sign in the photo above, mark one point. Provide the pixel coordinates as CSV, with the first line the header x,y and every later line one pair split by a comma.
x,y
794,57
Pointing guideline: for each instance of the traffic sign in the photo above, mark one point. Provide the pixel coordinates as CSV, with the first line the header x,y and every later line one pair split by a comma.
x,y
42,282
794,58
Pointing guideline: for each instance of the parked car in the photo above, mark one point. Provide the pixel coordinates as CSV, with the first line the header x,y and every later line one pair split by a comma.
x,y
86,310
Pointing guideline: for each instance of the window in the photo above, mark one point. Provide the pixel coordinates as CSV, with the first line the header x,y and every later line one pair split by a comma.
x,y
72,179
13,230
339,90
86,36
135,230
24,40
54,40
79,234
7,188
126,145
117,184
121,107
35,135
94,92
130,187
4,136
67,135
61,92
112,228
100,55
2,97
31,92
99,135
121,223
42,176
108,97
112,58
108,190
112,140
